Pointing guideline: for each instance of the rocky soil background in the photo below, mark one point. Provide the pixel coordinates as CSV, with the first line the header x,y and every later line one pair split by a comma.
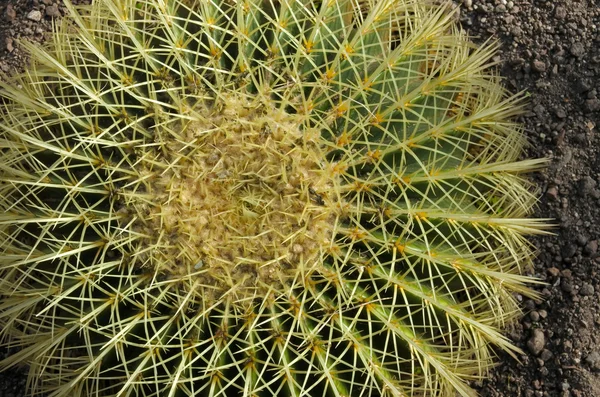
x,y
551,51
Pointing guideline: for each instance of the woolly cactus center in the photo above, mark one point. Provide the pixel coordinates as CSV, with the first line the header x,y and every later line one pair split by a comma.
x,y
244,200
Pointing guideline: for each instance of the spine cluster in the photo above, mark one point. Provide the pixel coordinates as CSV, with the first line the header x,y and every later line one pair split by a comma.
x,y
260,198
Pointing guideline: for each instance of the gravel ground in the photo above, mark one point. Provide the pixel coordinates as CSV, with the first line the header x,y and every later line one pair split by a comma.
x,y
550,50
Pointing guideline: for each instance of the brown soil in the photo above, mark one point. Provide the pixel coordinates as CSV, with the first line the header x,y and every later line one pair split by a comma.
x,y
551,50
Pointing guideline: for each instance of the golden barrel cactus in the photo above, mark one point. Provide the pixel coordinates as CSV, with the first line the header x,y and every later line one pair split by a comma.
x,y
260,198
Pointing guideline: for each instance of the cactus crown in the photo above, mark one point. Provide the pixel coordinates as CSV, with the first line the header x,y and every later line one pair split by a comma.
x,y
260,197
231,199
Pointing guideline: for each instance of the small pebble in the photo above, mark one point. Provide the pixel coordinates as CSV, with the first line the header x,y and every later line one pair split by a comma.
x,y
553,271
35,16
52,11
9,44
593,360
586,289
536,343
546,355
11,14
577,49
538,66
591,248
552,192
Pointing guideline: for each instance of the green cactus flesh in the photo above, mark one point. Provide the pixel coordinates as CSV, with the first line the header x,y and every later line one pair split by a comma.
x,y
260,198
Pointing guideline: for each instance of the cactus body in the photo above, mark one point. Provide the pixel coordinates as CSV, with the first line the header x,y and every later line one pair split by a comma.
x,y
260,198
